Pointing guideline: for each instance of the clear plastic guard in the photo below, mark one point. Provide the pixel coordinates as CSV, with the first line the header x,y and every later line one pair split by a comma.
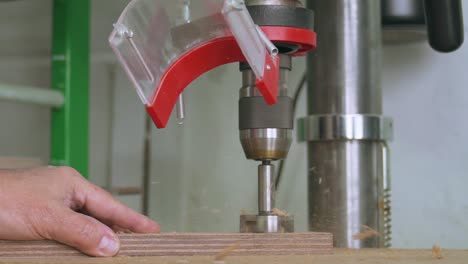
x,y
150,35
245,31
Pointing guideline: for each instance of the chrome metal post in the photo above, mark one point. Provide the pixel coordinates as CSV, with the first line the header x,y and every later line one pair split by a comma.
x,y
346,134
184,17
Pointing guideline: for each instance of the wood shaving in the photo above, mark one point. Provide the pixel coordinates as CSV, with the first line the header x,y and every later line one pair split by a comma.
x,y
280,212
382,204
366,233
121,231
225,252
437,252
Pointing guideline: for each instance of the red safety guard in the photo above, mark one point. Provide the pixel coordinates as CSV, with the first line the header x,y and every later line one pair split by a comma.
x,y
219,52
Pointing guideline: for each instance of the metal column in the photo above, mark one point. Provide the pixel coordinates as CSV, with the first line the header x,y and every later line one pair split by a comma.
x,y
347,151
70,76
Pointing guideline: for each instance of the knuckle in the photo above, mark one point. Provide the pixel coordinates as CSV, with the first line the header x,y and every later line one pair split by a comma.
x,y
67,172
65,181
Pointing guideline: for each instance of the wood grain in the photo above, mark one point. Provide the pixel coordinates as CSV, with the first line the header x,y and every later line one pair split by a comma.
x,y
188,244
339,256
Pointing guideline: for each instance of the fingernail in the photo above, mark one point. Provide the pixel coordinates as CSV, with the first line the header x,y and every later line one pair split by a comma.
x,y
109,246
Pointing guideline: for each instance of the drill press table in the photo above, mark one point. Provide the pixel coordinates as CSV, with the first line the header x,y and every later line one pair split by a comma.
x,y
235,248
339,256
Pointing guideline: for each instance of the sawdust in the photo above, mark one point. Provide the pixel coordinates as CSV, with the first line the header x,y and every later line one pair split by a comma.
x,y
382,204
280,212
121,231
221,256
366,233
437,252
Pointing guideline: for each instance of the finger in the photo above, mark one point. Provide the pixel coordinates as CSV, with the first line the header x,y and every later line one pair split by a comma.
x,y
85,234
103,206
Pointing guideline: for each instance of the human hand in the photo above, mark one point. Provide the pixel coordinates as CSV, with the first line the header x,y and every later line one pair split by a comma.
x,y
57,203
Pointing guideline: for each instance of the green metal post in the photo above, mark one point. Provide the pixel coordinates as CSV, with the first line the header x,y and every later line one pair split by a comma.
x,y
70,76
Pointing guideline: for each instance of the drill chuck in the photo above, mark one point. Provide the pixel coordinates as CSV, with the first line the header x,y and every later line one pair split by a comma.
x,y
265,130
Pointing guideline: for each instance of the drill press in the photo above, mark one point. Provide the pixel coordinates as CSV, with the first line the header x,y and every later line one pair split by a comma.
x,y
162,57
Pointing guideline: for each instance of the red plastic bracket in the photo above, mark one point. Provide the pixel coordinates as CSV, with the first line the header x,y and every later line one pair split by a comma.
x,y
215,53
268,85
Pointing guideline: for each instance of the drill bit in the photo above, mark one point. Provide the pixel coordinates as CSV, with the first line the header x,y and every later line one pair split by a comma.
x,y
266,188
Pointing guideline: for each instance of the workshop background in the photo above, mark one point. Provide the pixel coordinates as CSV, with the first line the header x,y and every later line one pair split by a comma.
x,y
200,178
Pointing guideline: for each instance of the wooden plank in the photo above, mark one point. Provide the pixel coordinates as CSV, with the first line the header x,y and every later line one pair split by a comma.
x,y
339,256
188,244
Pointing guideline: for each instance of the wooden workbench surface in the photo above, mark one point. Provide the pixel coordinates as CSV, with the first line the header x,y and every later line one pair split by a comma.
x,y
187,244
338,257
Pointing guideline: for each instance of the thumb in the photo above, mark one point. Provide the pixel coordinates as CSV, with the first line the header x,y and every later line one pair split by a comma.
x,y
85,234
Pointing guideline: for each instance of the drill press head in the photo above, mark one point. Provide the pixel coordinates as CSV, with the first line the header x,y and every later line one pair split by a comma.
x,y
266,130
266,135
